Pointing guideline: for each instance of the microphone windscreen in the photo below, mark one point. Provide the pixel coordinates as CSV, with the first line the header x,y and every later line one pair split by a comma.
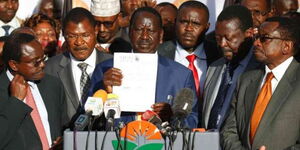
x,y
101,94
183,102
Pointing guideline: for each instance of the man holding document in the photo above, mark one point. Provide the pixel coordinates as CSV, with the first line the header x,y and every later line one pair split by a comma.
x,y
148,80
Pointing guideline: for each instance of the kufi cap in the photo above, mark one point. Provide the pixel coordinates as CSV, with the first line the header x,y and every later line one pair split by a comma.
x,y
105,8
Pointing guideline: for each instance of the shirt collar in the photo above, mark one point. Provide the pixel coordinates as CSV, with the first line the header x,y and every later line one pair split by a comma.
x,y
279,70
11,76
199,51
13,23
91,60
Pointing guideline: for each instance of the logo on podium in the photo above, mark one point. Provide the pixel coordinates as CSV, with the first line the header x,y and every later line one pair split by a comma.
x,y
139,135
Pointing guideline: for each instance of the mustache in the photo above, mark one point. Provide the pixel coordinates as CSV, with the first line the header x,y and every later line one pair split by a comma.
x,y
227,50
144,42
188,34
80,48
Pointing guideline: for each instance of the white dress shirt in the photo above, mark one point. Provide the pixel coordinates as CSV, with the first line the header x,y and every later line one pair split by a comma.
x,y
278,73
14,23
200,62
91,61
39,104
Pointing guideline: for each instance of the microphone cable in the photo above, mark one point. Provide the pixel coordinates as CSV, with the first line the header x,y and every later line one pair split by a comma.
x,y
96,139
74,140
183,139
96,132
89,131
193,140
189,139
118,132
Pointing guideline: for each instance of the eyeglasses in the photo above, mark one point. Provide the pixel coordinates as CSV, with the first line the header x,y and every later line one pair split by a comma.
x,y
259,13
85,36
264,38
107,24
36,62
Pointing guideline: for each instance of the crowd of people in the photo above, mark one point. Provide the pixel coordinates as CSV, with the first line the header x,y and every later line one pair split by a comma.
x,y
244,74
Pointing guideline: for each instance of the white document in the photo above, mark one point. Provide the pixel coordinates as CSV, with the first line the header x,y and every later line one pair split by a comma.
x,y
137,92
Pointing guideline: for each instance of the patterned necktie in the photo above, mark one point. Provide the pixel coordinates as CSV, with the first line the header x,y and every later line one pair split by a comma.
x,y
214,118
6,29
262,101
84,81
191,59
37,119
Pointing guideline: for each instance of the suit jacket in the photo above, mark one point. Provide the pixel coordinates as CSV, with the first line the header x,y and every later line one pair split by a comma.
x,y
60,66
171,78
279,127
18,131
212,84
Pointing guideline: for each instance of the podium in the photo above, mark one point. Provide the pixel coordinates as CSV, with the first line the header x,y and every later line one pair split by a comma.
x,y
202,141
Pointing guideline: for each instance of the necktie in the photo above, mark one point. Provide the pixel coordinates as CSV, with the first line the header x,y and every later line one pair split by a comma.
x,y
213,122
192,67
261,103
6,29
84,81
37,119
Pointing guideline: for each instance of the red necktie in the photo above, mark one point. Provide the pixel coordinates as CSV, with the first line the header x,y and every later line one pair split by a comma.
x,y
192,67
261,104
37,119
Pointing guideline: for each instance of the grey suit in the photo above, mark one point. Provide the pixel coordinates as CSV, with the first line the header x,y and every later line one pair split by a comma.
x,y
279,127
60,66
212,85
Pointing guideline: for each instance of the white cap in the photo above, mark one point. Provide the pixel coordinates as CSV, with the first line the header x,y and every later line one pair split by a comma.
x,y
105,8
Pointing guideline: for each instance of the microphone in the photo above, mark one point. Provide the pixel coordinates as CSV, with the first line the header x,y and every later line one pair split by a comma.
x,y
152,117
92,107
112,110
182,107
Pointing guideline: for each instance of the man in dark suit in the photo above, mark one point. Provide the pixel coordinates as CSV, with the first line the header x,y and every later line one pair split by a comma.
x,y
146,33
191,26
265,112
234,36
32,103
80,34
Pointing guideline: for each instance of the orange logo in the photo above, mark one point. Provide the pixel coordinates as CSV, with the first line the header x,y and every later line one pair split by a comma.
x,y
139,135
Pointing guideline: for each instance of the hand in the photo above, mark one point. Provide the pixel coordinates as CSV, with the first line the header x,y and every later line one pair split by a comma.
x,y
263,148
18,87
112,77
163,110
57,144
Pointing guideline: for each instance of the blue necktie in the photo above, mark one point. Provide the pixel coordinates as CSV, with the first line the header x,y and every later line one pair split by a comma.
x,y
214,118
6,29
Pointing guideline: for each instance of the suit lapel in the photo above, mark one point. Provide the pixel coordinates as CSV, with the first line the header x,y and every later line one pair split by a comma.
x,y
48,104
212,79
162,74
66,76
250,98
280,95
